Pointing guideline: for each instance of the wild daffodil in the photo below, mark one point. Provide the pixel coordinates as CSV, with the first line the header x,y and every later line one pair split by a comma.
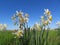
x,y
19,33
46,22
47,12
50,18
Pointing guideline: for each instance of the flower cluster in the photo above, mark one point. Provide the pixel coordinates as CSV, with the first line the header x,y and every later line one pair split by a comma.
x,y
47,18
19,33
36,27
3,26
22,18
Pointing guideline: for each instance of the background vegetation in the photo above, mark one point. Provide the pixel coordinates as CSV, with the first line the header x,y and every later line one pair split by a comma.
x,y
31,37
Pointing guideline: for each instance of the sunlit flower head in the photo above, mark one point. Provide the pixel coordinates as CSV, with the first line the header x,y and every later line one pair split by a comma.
x,y
19,14
3,26
26,19
46,22
49,21
22,20
19,33
50,18
47,12
37,26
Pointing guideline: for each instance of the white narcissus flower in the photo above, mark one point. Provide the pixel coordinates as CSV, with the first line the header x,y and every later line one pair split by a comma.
x,y
26,19
19,14
49,21
22,20
50,18
47,12
19,33
37,26
46,22
3,26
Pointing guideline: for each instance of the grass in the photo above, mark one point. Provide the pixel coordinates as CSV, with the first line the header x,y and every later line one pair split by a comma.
x,y
5,37
30,38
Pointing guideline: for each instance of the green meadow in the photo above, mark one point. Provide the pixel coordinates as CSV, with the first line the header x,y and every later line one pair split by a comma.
x,y
32,37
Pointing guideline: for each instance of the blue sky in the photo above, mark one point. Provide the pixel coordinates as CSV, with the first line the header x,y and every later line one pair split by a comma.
x,y
35,9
